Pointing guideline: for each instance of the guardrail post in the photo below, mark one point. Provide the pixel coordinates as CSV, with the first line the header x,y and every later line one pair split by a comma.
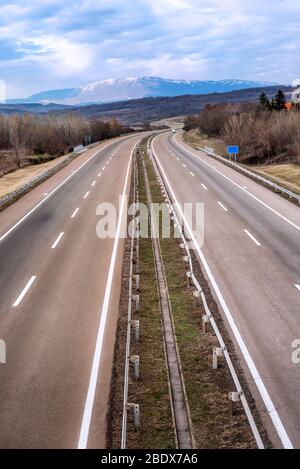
x,y
136,299
135,361
135,412
137,330
189,277
205,323
196,295
217,352
137,282
234,397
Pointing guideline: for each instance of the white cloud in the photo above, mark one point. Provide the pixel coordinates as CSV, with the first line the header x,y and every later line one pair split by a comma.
x,y
70,43
65,56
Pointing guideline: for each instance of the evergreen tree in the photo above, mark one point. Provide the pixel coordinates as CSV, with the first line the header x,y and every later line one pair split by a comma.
x,y
264,103
279,101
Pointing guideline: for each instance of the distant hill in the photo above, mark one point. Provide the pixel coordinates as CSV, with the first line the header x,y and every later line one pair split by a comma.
x,y
139,111
119,89
34,108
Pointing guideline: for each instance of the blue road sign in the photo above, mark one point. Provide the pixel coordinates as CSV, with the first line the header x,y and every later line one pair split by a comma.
x,y
233,150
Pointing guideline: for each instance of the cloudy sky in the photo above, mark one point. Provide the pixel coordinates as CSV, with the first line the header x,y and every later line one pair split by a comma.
x,y
47,44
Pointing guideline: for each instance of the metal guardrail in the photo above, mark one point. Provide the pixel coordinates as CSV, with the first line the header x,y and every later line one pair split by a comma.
x,y
126,405
38,179
209,316
252,175
34,181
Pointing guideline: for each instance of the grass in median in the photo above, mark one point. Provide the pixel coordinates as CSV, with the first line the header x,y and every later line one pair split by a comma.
x,y
151,391
207,389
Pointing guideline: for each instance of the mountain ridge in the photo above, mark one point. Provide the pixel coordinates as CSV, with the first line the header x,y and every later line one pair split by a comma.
x,y
119,89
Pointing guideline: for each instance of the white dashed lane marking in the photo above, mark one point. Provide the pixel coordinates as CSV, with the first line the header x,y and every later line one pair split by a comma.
x,y
223,206
57,240
252,237
24,291
75,213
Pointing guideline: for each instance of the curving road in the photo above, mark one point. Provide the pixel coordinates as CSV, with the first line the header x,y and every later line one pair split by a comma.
x,y
59,294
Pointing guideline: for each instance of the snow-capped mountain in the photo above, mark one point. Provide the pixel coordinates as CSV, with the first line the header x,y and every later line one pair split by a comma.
x,y
119,89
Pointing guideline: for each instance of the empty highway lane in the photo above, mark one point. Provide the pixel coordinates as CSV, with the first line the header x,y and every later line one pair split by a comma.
x,y
59,293
251,254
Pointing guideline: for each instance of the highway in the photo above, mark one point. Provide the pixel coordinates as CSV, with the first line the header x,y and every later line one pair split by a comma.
x,y
59,294
251,256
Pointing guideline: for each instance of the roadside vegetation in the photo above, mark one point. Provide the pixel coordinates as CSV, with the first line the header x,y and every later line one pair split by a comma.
x,y
29,139
267,132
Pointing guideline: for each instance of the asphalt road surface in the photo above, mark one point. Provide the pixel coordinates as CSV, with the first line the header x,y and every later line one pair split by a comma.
x,y
59,294
251,254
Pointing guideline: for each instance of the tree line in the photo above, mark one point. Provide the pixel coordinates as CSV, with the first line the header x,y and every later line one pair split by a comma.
x,y
50,134
266,132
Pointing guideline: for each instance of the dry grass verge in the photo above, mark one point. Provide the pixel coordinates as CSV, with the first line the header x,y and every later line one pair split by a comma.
x,y
286,175
195,139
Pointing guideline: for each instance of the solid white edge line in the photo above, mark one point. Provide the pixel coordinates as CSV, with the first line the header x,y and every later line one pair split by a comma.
x,y
223,206
24,291
54,190
246,354
252,237
86,194
57,240
75,212
241,187
297,286
88,408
